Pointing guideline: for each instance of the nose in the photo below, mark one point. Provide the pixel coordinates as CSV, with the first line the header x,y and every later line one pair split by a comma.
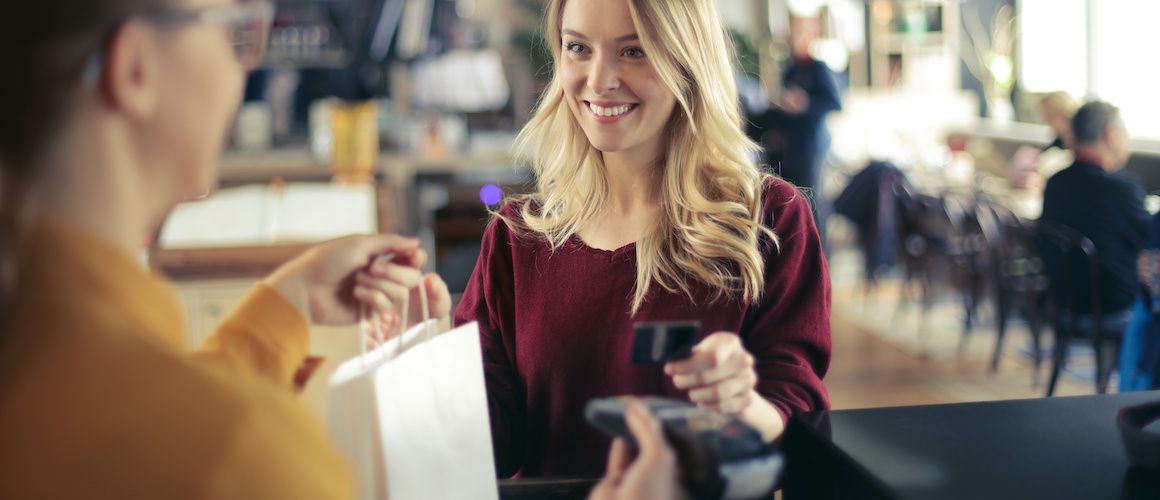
x,y
604,75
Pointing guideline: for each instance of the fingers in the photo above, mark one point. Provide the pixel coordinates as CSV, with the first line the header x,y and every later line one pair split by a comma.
x,y
733,405
382,244
406,276
717,358
719,375
403,250
650,438
373,298
415,258
735,365
619,458
438,294
724,391
378,328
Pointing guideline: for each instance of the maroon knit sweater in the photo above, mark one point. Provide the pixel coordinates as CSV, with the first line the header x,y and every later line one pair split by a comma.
x,y
556,330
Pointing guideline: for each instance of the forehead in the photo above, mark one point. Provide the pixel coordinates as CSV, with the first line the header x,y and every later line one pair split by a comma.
x,y
598,19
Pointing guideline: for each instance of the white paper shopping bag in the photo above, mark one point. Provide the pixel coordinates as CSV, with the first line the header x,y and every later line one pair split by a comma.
x,y
411,416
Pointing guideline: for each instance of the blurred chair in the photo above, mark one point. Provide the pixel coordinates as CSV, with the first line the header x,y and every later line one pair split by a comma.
x,y
1020,282
1073,271
972,252
925,226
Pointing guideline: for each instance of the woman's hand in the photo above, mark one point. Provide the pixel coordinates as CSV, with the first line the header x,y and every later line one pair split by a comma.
x,y
330,282
719,375
654,474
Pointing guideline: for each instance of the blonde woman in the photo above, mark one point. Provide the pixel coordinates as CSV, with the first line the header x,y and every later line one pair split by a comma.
x,y
648,208
1057,108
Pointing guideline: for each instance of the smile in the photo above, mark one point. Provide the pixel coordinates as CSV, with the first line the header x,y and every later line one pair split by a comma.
x,y
610,113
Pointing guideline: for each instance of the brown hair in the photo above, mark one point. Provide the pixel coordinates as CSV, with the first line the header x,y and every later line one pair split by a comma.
x,y
45,46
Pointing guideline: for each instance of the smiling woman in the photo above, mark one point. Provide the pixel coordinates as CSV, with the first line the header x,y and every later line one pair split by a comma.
x,y
648,208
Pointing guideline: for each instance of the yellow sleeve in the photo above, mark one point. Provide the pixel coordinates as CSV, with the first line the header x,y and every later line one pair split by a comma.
x,y
278,451
265,336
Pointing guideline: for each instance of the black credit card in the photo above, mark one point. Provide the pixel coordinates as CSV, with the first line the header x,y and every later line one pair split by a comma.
x,y
661,342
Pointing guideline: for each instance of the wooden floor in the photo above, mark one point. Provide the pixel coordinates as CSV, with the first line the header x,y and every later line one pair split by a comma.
x,y
882,357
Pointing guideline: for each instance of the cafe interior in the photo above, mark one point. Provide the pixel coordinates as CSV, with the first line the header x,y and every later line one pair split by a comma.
x,y
972,351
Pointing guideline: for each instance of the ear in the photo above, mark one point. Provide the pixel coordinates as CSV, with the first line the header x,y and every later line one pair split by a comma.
x,y
1112,136
129,82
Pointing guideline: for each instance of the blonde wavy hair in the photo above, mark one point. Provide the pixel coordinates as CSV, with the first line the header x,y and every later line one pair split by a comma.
x,y
710,188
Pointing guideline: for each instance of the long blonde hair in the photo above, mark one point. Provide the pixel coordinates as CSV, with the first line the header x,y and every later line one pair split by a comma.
x,y
710,187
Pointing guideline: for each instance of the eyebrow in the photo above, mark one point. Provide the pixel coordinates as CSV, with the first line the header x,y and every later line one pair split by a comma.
x,y
624,38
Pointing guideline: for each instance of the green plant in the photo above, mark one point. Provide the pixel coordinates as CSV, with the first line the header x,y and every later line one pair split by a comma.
x,y
530,40
746,53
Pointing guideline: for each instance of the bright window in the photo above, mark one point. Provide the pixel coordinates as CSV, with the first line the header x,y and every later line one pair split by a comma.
x,y
1054,48
1126,73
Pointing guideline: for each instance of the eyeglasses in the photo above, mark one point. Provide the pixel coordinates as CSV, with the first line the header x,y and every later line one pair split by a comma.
x,y
248,25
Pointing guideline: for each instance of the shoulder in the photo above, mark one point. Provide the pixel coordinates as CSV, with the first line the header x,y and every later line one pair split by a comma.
x,y
506,230
783,204
1061,178
1127,182
503,223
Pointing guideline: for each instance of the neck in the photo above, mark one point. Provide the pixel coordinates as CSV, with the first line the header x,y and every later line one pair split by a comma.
x,y
92,182
633,182
1096,155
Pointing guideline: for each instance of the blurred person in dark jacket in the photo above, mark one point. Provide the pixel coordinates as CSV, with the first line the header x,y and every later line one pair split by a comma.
x,y
1095,198
794,132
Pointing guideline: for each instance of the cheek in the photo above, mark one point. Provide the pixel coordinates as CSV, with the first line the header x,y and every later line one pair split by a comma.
x,y
572,82
658,94
572,79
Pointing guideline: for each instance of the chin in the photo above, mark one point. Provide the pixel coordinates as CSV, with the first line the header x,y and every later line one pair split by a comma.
x,y
607,144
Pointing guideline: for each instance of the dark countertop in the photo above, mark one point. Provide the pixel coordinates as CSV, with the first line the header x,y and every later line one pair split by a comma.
x,y
1057,448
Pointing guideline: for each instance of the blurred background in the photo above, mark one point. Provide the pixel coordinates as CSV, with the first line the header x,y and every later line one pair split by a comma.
x,y
399,115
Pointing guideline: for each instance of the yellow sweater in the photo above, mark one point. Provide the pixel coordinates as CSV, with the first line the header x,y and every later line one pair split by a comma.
x,y
99,398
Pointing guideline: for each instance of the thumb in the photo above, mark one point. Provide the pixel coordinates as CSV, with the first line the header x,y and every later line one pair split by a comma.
x,y
718,344
647,431
382,244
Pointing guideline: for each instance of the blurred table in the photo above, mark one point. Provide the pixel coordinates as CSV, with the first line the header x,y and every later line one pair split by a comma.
x,y
545,489
1057,448
251,261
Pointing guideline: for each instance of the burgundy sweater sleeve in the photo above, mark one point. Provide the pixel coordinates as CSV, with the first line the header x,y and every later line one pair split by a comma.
x,y
489,300
788,329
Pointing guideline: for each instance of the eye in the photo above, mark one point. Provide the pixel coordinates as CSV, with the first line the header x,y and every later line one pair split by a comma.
x,y
575,48
634,52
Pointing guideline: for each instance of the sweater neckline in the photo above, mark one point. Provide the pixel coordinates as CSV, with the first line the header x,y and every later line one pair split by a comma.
x,y
629,248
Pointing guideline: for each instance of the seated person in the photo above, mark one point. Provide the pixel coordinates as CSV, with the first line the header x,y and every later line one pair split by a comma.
x,y
1095,198
1140,352
648,207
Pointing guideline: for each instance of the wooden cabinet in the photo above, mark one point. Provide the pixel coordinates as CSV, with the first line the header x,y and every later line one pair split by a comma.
x,y
914,43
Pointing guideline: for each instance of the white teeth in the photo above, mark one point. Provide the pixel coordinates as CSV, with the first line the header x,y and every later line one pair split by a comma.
x,y
615,111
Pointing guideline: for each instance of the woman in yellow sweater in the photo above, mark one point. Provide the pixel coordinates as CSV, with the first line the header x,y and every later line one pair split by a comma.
x,y
115,111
